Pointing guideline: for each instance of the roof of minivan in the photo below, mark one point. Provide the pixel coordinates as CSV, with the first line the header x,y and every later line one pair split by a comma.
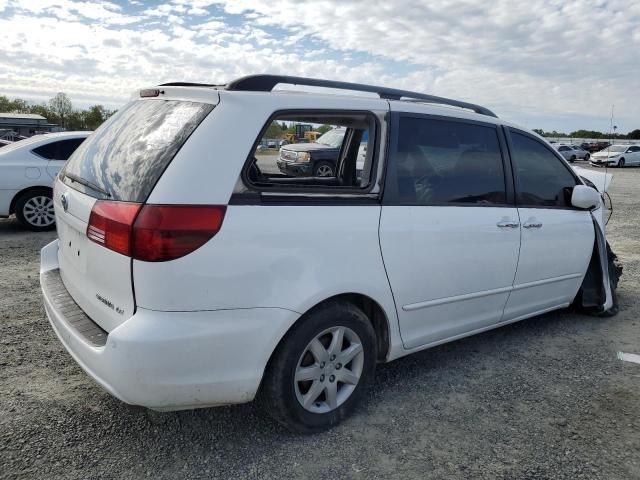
x,y
213,94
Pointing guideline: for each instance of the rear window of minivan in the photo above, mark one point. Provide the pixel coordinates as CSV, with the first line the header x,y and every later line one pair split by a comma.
x,y
126,156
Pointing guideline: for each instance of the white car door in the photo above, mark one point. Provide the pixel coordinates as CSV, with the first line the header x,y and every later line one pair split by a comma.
x,y
449,230
557,239
634,155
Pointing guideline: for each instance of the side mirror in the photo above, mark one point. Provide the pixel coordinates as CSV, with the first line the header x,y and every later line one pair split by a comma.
x,y
585,197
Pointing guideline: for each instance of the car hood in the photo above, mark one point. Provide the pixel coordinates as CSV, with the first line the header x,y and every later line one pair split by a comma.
x,y
306,147
605,154
601,180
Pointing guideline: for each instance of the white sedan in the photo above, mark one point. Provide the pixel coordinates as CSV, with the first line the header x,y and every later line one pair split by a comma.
x,y
618,155
27,170
572,152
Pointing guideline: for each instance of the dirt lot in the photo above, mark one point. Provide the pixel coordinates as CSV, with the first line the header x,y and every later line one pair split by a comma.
x,y
544,398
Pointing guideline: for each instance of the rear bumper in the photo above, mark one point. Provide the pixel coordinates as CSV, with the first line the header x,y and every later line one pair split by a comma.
x,y
174,360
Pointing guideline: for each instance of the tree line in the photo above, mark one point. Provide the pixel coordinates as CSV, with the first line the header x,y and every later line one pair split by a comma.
x,y
59,110
279,130
632,135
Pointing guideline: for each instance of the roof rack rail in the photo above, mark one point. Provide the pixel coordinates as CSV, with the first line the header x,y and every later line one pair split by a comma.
x,y
265,83
188,84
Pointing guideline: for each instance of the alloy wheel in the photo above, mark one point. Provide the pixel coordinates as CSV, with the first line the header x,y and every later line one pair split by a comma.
x,y
38,211
324,171
329,370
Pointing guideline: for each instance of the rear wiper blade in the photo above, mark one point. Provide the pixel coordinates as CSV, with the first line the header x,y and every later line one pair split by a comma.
x,y
87,183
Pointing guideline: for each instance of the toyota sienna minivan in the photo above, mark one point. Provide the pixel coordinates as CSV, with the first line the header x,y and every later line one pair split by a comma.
x,y
189,271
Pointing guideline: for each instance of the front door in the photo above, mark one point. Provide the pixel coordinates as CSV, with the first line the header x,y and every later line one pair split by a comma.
x,y
449,231
557,239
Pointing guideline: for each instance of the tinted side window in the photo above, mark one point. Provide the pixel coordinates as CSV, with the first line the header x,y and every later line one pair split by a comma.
x,y
60,150
542,179
48,151
446,162
67,147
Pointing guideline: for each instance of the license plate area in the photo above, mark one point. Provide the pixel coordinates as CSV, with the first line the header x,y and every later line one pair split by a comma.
x,y
73,245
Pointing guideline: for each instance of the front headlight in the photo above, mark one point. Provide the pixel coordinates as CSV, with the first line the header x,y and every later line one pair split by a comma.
x,y
303,157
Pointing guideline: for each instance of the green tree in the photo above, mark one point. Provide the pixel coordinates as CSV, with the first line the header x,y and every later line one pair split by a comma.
x,y
61,106
274,130
95,116
634,134
324,128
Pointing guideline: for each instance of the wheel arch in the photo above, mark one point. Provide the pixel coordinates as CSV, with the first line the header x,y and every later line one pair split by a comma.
x,y
371,308
12,205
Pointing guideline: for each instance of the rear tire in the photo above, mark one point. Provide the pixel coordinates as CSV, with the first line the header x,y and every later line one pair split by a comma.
x,y
317,376
34,210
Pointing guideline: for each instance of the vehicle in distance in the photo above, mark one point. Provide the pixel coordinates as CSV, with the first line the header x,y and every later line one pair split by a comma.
x,y
572,152
314,159
203,280
617,155
597,146
27,170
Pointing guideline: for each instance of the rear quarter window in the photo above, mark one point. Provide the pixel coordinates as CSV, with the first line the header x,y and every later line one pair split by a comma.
x,y
127,155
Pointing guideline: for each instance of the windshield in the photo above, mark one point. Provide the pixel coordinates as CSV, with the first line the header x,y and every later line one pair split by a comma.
x,y
333,138
617,148
126,156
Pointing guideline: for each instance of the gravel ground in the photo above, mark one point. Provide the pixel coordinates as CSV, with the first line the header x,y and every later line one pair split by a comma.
x,y
544,398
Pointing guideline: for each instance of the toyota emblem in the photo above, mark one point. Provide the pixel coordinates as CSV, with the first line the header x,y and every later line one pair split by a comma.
x,y
65,201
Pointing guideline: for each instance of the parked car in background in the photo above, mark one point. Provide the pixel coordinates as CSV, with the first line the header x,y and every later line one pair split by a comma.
x,y
597,146
618,155
572,152
184,276
315,159
27,170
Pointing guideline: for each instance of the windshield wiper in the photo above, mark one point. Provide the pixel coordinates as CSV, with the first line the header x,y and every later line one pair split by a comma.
x,y
87,183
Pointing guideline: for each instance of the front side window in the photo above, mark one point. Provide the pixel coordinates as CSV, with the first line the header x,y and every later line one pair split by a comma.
x,y
542,180
446,162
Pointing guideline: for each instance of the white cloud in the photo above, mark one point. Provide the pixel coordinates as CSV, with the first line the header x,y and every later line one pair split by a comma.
x,y
543,59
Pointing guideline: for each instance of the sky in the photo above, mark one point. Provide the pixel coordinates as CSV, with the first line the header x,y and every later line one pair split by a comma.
x,y
551,64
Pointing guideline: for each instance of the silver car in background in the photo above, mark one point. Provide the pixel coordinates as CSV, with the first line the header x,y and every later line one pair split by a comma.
x,y
572,152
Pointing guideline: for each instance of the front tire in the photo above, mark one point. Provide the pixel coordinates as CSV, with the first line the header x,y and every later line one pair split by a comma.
x,y
572,159
621,162
321,368
34,210
587,157
324,169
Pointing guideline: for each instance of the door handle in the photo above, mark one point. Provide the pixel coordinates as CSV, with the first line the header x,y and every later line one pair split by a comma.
x,y
508,224
532,225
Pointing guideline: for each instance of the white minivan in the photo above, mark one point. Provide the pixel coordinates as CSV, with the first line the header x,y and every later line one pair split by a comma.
x,y
189,271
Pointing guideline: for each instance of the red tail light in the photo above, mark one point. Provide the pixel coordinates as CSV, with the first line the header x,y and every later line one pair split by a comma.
x,y
110,224
153,233
167,232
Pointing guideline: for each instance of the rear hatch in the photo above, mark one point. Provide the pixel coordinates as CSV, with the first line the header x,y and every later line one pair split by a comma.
x,y
100,191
